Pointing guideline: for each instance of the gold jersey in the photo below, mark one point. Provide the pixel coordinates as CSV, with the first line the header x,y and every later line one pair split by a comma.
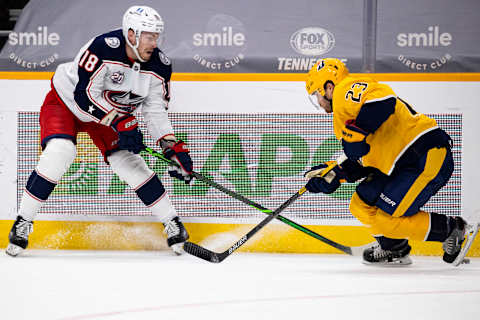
x,y
394,136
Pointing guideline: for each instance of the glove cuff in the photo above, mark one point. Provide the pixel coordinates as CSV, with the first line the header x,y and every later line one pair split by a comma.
x,y
176,148
166,143
125,123
352,133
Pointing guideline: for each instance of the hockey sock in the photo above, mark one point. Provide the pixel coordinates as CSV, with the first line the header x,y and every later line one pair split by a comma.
x,y
132,169
153,195
391,244
36,192
440,227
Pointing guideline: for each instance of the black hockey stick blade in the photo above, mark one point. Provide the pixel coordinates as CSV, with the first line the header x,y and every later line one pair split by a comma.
x,y
202,253
210,256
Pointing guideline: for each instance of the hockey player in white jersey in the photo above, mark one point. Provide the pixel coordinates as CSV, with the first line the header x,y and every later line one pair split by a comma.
x,y
111,76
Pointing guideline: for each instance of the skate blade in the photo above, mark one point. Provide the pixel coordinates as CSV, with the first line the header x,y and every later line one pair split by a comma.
x,y
177,248
13,250
402,262
470,234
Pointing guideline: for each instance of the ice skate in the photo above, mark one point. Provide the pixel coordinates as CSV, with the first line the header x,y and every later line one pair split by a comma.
x,y
453,244
378,256
462,233
18,236
176,235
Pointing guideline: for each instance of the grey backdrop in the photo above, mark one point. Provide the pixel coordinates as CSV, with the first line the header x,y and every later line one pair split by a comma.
x,y
260,36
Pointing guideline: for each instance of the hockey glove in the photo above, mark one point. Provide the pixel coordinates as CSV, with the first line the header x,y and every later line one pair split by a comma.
x,y
354,141
323,178
178,152
351,171
129,136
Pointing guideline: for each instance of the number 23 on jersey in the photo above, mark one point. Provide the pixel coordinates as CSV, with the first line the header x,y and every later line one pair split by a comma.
x,y
356,91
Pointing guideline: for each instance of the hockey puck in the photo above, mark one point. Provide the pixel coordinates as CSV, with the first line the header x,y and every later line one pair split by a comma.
x,y
465,261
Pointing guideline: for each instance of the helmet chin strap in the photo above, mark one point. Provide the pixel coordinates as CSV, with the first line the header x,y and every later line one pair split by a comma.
x,y
134,47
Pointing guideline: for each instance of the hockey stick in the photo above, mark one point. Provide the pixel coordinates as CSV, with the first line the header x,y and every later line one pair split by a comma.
x,y
205,254
354,251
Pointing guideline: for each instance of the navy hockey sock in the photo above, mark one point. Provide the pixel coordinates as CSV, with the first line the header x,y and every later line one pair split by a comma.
x,y
39,187
151,191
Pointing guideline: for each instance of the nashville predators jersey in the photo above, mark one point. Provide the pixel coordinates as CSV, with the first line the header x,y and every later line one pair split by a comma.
x,y
391,123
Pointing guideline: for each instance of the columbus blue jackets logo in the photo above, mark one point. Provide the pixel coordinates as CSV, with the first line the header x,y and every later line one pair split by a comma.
x,y
125,102
113,42
166,61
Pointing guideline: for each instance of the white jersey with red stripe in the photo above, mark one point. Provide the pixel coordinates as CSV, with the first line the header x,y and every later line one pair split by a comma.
x,y
102,83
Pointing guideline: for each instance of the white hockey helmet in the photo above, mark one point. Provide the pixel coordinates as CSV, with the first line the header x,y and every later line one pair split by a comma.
x,y
141,18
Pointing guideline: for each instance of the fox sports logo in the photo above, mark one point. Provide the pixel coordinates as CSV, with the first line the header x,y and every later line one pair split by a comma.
x,y
312,41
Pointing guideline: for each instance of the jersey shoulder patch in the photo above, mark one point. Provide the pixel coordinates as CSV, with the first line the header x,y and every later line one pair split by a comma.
x,y
160,64
112,42
164,59
108,45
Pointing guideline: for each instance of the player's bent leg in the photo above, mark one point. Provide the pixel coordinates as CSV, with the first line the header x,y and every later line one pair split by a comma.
x,y
132,169
55,160
414,227
388,251
455,234
381,223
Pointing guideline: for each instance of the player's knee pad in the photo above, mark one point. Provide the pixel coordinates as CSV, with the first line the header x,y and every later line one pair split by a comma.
x,y
56,158
130,168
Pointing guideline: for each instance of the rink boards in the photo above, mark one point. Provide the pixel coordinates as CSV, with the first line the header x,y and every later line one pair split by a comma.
x,y
275,237
268,127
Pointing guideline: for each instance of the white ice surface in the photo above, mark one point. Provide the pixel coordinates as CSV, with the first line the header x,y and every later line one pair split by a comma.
x,y
158,285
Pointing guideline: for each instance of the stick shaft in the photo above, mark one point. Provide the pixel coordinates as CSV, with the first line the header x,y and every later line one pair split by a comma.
x,y
293,224
215,257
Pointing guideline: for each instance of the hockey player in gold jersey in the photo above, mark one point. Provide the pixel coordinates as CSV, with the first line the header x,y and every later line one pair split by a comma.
x,y
401,157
